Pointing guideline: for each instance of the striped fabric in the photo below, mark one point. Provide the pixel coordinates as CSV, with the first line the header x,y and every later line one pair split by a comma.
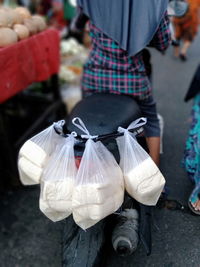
x,y
109,69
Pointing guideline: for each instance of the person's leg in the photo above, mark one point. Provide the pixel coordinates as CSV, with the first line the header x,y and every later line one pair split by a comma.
x,y
153,144
177,38
184,49
192,156
186,45
152,128
176,51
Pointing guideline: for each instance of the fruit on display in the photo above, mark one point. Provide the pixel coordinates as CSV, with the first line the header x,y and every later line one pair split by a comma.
x,y
23,12
10,17
7,37
39,22
13,17
18,22
3,19
31,26
22,31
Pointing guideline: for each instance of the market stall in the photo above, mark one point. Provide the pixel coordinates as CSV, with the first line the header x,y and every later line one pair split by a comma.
x,y
32,60
35,59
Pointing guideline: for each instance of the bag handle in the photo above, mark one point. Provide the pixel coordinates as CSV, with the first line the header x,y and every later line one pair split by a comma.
x,y
83,128
135,124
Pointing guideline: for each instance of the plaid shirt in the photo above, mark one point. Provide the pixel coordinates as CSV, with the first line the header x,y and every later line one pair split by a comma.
x,y
110,69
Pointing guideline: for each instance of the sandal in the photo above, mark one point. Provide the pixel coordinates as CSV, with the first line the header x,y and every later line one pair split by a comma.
x,y
183,57
197,212
194,197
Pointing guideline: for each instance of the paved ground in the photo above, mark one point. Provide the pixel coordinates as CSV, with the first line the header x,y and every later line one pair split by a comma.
x,y
28,239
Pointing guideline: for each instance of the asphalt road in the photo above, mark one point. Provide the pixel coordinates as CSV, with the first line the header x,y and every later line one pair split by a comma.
x,y
28,239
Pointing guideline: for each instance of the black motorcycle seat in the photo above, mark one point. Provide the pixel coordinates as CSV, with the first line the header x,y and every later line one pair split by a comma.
x,y
103,113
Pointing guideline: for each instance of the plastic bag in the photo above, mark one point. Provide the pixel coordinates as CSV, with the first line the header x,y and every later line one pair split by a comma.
x,y
29,173
34,153
143,180
99,187
58,182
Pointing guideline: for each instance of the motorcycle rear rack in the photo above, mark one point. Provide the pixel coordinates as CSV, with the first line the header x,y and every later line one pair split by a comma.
x,y
137,131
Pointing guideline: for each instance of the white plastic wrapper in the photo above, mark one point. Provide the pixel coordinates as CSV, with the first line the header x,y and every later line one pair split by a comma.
x,y
143,180
58,182
49,213
99,188
29,173
35,152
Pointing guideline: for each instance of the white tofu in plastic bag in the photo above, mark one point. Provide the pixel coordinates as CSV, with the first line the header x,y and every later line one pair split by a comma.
x,y
99,189
143,180
58,182
36,151
49,212
30,173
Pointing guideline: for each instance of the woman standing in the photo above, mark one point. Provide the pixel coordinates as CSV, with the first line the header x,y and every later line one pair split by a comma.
x,y
186,28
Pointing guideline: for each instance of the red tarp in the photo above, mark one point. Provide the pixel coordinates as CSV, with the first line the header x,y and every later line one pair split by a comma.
x,y
32,60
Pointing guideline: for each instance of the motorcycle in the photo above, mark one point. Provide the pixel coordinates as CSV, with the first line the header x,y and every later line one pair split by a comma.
x,y
103,113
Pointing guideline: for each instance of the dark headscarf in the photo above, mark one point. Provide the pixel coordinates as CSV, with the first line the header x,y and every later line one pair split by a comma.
x,y
131,23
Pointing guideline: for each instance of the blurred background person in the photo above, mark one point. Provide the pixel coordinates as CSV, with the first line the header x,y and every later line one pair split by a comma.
x,y
25,3
191,160
44,6
186,28
56,15
69,15
69,10
53,10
